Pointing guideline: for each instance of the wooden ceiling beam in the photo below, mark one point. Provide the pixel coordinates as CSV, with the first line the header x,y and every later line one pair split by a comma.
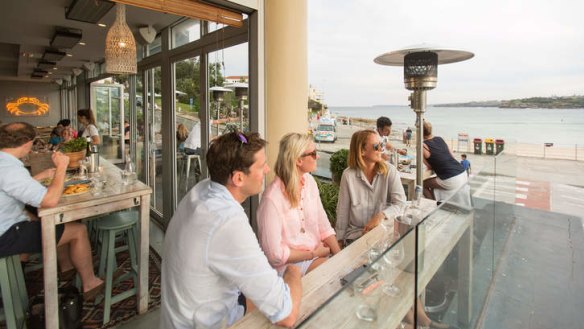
x,y
189,8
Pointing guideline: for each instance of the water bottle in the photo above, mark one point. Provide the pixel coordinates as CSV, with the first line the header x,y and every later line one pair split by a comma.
x,y
129,173
406,227
93,159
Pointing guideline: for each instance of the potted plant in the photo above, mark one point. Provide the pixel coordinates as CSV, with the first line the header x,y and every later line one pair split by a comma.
x,y
75,149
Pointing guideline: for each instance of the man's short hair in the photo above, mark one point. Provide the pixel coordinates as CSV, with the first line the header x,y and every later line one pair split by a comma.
x,y
383,122
231,152
16,134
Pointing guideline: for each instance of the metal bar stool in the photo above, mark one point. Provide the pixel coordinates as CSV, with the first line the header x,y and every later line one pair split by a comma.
x,y
14,293
122,224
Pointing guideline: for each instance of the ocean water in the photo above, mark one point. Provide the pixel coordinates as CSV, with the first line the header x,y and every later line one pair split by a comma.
x,y
536,126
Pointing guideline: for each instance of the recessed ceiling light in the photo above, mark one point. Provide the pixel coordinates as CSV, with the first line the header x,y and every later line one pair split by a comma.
x,y
54,68
69,55
82,43
101,25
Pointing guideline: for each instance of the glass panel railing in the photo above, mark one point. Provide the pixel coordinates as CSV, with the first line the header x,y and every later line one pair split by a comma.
x,y
440,270
378,289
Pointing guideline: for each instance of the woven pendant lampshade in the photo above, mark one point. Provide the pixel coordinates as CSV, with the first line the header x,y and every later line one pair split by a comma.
x,y
120,46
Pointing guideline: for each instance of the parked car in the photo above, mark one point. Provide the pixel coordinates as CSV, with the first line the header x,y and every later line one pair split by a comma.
x,y
325,133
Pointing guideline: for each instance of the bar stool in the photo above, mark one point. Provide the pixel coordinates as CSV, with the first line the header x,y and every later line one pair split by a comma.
x,y
123,224
14,293
189,158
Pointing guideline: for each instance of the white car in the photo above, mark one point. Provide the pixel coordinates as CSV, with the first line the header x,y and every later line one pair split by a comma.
x,y
325,133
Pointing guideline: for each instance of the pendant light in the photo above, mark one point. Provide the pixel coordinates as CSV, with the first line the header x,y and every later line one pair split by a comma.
x,y
120,46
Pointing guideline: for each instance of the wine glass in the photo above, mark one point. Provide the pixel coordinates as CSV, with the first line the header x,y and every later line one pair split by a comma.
x,y
211,315
393,258
375,248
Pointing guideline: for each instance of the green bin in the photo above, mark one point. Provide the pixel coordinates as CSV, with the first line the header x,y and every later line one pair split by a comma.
x,y
499,145
489,146
478,146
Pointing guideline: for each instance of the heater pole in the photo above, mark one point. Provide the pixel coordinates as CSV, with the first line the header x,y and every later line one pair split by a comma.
x,y
418,104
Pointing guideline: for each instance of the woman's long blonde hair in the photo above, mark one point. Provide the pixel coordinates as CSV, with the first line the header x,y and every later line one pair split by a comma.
x,y
292,146
358,143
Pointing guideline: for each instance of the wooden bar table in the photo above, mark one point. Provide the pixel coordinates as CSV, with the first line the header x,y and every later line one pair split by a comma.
x,y
114,197
442,234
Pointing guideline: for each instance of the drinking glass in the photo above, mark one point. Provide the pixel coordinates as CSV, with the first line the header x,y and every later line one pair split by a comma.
x,y
83,169
375,248
393,258
97,185
211,315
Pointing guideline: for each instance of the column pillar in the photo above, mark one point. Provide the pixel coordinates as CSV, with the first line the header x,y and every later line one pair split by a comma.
x,y
286,71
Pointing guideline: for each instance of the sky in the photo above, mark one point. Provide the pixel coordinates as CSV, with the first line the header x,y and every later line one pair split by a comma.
x,y
522,48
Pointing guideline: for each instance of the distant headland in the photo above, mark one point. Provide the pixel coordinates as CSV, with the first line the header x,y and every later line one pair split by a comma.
x,y
565,102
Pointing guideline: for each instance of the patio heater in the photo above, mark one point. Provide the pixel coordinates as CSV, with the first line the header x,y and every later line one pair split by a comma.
x,y
218,96
420,75
241,94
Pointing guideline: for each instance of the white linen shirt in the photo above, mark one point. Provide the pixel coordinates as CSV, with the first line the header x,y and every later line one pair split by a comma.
x,y
17,188
359,200
193,141
90,131
210,255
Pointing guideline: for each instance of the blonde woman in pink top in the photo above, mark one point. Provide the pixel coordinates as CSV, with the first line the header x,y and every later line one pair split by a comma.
x,y
293,226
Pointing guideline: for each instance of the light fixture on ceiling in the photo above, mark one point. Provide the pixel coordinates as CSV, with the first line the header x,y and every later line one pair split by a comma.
x,y
76,71
46,65
120,46
89,66
53,55
59,81
148,34
66,38
89,11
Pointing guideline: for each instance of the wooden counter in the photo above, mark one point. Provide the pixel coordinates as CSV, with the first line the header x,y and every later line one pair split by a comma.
x,y
445,230
114,197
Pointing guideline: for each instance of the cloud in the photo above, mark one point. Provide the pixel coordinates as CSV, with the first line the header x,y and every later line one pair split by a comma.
x,y
522,49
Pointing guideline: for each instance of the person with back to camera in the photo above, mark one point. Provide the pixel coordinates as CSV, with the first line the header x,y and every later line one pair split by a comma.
x,y
20,232
181,136
450,174
211,254
87,119
367,186
293,226
465,164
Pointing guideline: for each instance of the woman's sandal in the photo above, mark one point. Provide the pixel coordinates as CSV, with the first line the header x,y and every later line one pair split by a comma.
x,y
91,294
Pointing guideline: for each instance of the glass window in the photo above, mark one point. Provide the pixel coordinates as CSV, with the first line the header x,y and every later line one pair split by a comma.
x,y
155,47
189,155
185,32
228,68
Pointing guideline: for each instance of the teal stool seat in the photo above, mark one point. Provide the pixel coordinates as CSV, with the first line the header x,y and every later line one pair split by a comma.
x,y
14,295
123,225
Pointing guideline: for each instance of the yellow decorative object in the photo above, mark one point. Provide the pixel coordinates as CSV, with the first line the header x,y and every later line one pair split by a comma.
x,y
16,108
120,46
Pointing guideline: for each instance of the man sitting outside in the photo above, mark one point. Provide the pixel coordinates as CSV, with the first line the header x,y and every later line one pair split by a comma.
x,y
212,256
18,233
383,129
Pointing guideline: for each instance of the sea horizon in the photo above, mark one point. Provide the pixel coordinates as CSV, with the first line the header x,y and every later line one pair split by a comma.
x,y
558,126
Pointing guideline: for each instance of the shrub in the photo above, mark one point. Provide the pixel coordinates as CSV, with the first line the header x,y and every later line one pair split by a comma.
x,y
329,196
338,163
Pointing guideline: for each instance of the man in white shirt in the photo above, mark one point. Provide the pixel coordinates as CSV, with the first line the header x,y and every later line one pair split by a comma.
x,y
192,144
211,254
383,129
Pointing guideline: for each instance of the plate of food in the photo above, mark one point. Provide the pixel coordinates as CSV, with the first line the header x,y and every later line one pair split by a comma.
x,y
76,189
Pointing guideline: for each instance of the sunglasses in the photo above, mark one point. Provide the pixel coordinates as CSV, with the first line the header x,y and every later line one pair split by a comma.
x,y
310,154
378,147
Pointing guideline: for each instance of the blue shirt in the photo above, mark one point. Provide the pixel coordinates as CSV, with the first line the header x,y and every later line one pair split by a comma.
x,y
211,255
17,188
465,164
